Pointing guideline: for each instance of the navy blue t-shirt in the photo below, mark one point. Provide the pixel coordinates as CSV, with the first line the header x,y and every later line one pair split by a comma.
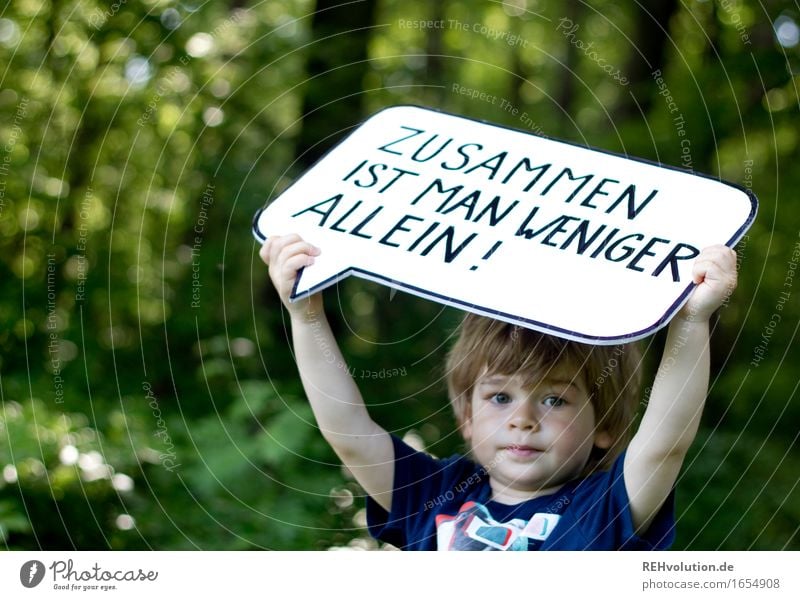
x,y
446,504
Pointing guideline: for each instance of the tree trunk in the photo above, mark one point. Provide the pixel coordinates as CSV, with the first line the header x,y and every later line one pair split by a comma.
x,y
337,64
434,48
565,87
651,26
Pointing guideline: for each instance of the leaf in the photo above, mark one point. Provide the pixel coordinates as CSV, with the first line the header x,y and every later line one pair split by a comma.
x,y
287,435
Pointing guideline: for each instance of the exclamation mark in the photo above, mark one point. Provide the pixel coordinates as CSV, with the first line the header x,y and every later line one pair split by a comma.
x,y
487,255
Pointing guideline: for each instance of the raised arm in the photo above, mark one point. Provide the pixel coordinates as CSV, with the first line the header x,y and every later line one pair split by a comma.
x,y
362,445
670,422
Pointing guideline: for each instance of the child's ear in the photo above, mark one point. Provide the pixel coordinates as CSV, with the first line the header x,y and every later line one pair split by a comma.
x,y
466,423
466,429
603,440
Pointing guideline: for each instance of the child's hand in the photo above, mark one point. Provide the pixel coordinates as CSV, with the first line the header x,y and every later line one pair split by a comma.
x,y
286,255
714,272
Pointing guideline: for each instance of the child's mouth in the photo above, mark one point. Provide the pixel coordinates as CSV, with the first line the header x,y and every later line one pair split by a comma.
x,y
522,451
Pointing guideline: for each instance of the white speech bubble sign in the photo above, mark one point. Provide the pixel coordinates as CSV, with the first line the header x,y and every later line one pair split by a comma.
x,y
573,241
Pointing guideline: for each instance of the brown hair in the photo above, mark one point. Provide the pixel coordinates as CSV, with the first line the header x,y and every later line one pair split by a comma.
x,y
610,373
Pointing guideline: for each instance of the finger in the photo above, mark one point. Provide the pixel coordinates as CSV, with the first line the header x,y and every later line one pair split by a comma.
x,y
290,269
699,270
298,247
731,259
719,258
719,253
294,264
265,250
279,242
715,271
724,260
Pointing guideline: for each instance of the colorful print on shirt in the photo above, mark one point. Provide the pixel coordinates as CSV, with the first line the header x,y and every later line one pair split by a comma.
x,y
473,528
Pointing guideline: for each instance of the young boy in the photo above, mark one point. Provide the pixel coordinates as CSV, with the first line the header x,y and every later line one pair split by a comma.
x,y
553,463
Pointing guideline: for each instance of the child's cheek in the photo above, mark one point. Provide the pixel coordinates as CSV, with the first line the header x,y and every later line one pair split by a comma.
x,y
568,432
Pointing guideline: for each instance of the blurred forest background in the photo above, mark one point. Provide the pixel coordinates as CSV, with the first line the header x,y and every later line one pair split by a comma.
x,y
149,393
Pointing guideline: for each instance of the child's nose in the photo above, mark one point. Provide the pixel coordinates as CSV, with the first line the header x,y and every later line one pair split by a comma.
x,y
524,417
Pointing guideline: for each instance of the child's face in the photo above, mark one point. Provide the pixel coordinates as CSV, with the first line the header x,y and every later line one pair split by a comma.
x,y
531,441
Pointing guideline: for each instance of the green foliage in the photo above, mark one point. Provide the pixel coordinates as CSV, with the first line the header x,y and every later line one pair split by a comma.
x,y
739,491
150,397
62,486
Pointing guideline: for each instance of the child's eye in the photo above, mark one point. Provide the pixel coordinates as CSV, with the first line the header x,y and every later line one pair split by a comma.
x,y
554,401
501,398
